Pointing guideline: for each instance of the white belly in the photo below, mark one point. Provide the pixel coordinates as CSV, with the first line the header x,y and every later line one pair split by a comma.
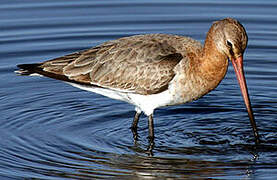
x,y
145,103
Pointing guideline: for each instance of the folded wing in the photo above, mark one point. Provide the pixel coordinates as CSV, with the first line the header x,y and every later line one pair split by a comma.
x,y
143,64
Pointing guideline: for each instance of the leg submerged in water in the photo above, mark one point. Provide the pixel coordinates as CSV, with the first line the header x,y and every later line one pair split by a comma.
x,y
134,126
151,134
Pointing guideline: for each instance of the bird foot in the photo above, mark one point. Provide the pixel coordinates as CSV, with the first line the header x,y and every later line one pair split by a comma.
x,y
135,133
150,146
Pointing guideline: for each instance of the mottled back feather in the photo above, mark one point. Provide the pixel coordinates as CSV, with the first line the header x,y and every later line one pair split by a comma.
x,y
125,64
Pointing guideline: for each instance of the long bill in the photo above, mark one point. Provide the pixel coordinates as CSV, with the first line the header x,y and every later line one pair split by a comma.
x,y
238,67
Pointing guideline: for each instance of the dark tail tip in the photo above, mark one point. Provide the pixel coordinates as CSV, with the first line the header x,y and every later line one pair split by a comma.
x,y
27,69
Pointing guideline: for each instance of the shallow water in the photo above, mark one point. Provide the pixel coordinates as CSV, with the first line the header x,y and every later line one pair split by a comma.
x,y
50,130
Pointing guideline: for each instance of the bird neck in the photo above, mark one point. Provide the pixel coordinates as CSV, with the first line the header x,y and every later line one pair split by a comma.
x,y
214,64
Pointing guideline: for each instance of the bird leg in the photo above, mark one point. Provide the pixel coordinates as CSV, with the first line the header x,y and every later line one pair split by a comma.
x,y
151,134
134,126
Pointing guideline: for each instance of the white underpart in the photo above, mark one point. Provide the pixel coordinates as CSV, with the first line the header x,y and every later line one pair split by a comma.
x,y
19,72
36,74
145,103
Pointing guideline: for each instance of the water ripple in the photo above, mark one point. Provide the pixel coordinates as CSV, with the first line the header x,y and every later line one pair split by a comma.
x,y
51,130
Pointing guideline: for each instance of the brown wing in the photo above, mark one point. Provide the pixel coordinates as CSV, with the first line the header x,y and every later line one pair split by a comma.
x,y
143,64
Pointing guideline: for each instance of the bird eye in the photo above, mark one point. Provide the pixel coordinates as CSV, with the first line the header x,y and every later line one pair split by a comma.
x,y
229,43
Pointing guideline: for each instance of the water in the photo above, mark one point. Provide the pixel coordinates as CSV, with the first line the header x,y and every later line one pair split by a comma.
x,y
50,130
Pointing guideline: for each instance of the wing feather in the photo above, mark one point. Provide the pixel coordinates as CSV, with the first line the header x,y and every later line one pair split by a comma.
x,y
143,64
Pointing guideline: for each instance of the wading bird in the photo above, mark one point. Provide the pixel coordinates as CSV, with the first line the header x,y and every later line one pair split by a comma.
x,y
154,70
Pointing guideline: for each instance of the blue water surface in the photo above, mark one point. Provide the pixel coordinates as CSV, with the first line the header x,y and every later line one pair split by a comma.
x,y
50,130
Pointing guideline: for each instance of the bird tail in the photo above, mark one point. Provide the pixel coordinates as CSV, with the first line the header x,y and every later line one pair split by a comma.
x,y
28,69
